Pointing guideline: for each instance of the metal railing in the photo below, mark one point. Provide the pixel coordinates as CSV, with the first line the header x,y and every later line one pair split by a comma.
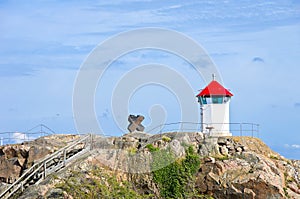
x,y
48,165
241,129
14,137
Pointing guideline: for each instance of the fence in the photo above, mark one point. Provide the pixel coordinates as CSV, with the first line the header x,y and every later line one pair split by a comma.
x,y
237,129
40,130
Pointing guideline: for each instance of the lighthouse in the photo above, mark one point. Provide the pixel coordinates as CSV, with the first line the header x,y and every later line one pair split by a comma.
x,y
214,102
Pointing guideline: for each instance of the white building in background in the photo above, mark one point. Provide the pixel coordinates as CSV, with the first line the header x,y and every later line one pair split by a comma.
x,y
214,102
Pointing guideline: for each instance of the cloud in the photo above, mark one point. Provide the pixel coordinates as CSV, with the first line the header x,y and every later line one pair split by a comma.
x,y
222,54
59,49
9,70
175,6
292,146
19,137
258,59
296,146
245,15
297,105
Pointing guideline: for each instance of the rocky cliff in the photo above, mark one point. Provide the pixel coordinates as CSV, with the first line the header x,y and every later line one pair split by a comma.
x,y
169,165
16,158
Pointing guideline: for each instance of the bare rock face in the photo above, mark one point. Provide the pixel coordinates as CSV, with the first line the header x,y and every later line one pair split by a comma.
x,y
242,177
12,160
246,168
37,152
10,169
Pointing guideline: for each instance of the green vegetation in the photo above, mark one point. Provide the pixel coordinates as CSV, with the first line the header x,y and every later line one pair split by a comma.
x,y
286,192
151,148
132,150
274,157
221,157
166,138
97,184
175,177
288,179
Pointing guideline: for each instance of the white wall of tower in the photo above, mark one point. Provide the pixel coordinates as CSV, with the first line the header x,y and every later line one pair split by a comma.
x,y
216,119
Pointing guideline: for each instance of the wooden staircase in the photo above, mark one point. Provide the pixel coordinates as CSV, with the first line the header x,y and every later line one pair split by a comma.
x,y
48,165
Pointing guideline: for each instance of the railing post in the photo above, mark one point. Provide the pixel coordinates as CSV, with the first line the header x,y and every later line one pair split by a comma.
x,y
181,126
65,157
160,129
45,167
252,130
91,140
22,187
241,129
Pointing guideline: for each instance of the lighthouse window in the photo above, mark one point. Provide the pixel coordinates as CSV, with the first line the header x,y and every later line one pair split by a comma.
x,y
217,100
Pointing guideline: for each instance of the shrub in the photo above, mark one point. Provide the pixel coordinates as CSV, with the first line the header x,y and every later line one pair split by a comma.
x,y
175,176
151,148
166,138
274,157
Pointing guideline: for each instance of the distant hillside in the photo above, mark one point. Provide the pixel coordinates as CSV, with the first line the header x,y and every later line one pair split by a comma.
x,y
168,165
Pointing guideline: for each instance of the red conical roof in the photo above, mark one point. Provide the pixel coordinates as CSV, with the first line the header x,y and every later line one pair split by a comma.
x,y
214,88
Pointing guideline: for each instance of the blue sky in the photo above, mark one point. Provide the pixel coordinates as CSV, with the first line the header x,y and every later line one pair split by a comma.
x,y
255,45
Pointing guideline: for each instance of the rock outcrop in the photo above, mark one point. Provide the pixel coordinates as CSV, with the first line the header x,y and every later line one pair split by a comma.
x,y
231,167
15,159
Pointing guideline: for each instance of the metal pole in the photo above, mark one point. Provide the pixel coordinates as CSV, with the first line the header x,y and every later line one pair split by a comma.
x,y
252,130
43,134
241,130
91,144
201,112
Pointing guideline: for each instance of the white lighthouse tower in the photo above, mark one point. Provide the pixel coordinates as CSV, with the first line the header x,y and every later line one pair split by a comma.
x,y
214,102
